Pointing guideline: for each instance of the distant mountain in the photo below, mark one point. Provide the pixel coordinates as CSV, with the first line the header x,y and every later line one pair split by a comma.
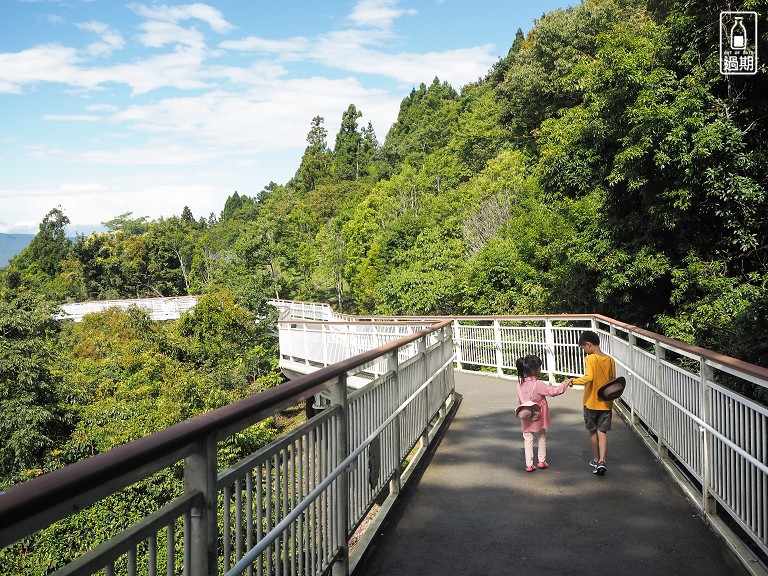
x,y
12,244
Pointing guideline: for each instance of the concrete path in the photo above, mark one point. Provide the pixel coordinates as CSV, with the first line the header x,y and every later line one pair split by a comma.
x,y
473,510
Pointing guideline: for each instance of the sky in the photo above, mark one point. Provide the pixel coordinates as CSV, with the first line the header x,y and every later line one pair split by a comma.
x,y
110,107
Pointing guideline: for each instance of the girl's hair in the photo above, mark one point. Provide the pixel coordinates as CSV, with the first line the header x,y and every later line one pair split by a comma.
x,y
528,366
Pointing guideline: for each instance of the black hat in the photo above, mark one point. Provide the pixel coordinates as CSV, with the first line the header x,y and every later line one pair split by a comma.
x,y
612,389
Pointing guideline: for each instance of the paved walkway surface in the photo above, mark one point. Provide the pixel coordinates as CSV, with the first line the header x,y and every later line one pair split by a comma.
x,y
473,510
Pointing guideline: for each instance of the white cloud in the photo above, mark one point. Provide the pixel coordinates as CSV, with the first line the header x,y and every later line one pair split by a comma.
x,y
377,13
237,114
44,63
158,34
176,14
71,117
111,40
181,69
298,44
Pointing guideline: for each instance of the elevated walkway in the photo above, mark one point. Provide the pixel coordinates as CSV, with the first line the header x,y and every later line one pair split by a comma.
x,y
473,510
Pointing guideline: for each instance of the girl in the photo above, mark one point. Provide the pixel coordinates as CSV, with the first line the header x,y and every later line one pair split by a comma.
x,y
532,388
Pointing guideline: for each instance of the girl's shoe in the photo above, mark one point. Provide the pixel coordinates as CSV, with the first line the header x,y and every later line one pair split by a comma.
x,y
543,465
529,468
599,469
593,463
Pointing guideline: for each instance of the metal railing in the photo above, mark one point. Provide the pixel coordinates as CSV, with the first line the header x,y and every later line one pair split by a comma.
x,y
290,507
712,439
169,308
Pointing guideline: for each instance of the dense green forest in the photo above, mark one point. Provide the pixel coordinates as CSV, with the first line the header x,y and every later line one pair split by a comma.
x,y
604,165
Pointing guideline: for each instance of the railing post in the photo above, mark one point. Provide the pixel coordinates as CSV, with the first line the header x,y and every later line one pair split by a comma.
x,y
632,374
661,448
457,344
421,346
445,353
339,396
549,348
393,369
200,476
325,334
706,374
497,343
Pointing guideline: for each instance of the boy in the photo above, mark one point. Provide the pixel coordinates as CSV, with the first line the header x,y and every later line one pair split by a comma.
x,y
599,368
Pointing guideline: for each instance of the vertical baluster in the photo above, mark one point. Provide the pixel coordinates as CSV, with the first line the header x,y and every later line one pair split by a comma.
x,y
170,550
227,535
187,544
132,562
249,514
268,496
312,520
239,519
762,500
261,493
317,476
152,555
284,510
307,547
276,507
304,519
291,504
333,494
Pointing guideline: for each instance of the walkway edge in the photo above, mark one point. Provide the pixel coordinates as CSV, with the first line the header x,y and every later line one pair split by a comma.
x,y
436,433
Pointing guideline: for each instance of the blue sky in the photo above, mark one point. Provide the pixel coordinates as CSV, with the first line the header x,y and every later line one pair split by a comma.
x,y
108,107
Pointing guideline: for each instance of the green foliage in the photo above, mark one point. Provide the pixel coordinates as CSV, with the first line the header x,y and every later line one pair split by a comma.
x,y
34,421
604,165
126,377
38,266
425,122
347,150
317,162
124,223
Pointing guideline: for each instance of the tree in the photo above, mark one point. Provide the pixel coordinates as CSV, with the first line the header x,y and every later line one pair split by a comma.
x,y
425,123
347,150
34,419
171,240
186,215
37,267
124,223
317,161
51,244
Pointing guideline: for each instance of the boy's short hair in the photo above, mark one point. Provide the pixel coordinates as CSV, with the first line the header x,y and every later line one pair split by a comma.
x,y
589,336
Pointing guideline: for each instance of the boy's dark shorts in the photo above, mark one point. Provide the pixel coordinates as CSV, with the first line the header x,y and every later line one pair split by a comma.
x,y
597,419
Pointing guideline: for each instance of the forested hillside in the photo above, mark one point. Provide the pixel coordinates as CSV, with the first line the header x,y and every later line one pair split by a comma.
x,y
604,165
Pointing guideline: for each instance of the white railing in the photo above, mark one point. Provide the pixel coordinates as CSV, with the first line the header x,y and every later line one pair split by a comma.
x,y
289,508
169,308
713,440
292,506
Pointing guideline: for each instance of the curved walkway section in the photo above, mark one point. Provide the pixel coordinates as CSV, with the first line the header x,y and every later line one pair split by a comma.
x,y
473,510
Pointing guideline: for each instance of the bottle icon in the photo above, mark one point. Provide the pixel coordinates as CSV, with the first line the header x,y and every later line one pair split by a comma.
x,y
738,35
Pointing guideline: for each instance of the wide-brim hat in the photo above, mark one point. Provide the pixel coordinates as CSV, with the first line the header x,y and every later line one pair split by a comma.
x,y
612,389
528,411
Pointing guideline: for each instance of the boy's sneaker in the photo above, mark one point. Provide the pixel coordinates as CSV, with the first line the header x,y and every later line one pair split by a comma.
x,y
599,469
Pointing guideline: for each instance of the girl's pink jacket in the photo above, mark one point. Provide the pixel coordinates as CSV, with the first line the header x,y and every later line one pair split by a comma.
x,y
537,390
